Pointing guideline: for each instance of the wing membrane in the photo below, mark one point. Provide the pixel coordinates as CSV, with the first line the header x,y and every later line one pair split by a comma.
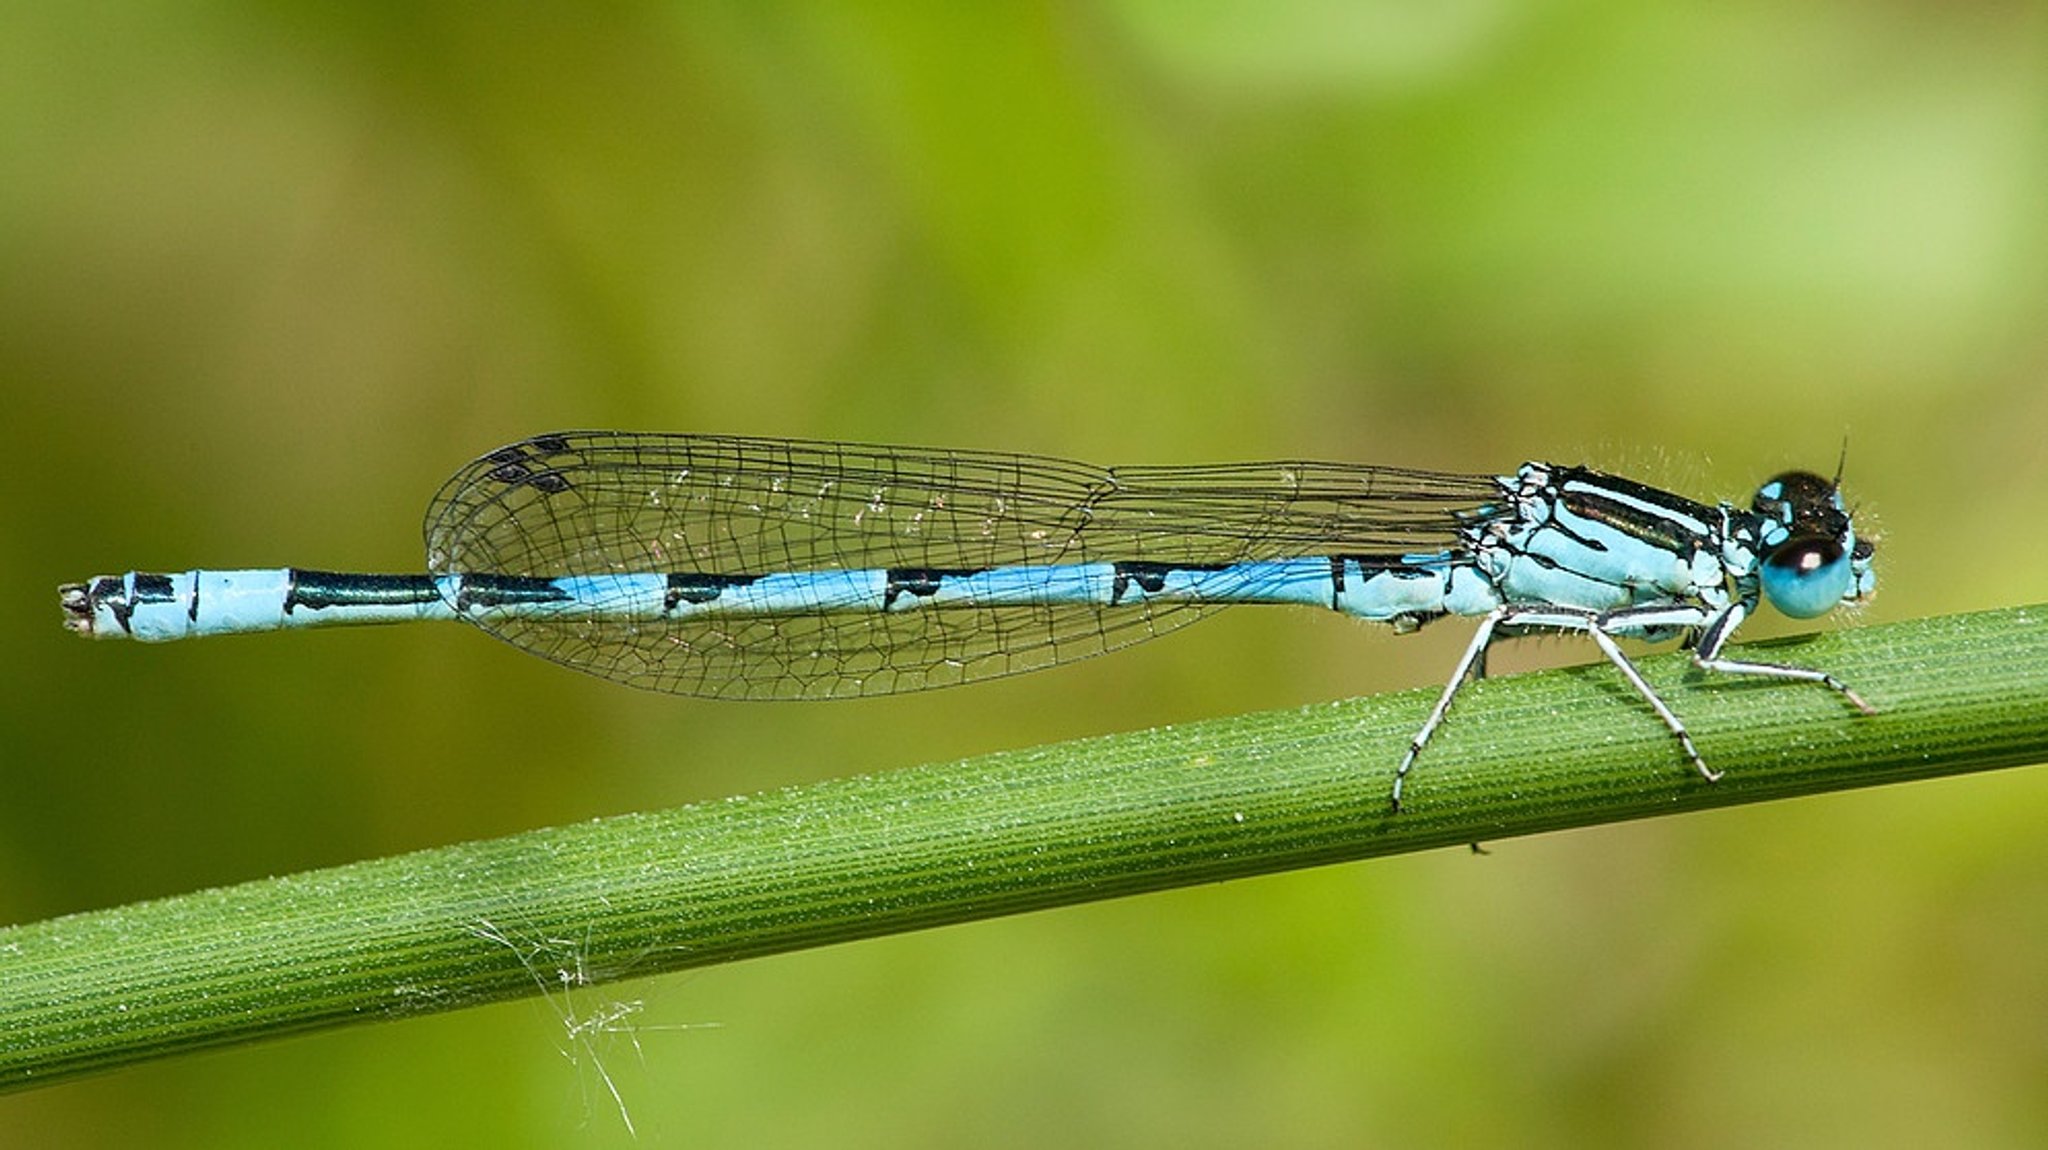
x,y
579,503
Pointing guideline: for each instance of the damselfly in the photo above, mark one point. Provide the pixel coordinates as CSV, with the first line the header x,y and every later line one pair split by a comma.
x,y
781,569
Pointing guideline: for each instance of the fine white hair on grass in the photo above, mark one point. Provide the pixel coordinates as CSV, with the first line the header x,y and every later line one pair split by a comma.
x,y
560,968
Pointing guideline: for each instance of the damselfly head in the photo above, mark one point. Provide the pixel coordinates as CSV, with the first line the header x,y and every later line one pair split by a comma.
x,y
1812,560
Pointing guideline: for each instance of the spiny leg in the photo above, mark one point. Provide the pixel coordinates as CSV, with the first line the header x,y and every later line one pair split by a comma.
x,y
1592,623
1643,688
1475,656
1780,671
1715,635
1601,625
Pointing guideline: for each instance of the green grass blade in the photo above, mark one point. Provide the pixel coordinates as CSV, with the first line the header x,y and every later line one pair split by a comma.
x,y
1019,831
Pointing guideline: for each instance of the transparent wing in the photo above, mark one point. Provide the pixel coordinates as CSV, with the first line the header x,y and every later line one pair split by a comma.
x,y
579,503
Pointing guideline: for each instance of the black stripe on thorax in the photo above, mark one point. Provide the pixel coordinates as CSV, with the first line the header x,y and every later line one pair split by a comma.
x,y
1658,518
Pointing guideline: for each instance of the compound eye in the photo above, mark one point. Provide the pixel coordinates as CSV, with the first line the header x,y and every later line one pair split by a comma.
x,y
1807,576
1792,494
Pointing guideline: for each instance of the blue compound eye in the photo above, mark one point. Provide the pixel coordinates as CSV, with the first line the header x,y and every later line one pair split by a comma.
x,y
1807,576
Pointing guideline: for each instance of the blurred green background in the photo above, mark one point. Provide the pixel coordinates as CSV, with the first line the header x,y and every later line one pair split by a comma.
x,y
268,273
